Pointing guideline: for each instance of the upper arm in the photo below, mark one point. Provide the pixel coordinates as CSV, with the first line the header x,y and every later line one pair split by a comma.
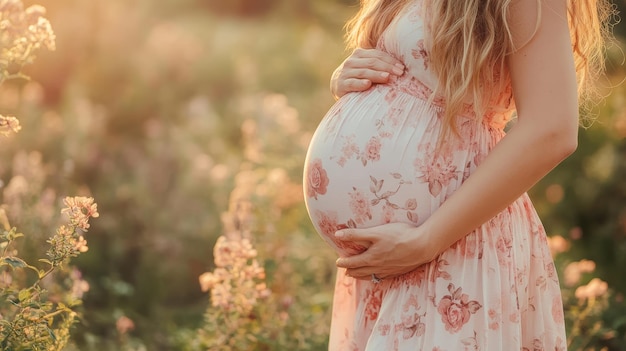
x,y
542,70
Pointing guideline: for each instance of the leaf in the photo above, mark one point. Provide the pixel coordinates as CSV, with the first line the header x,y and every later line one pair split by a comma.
x,y
373,182
24,294
435,187
51,332
474,306
457,293
387,194
351,223
375,202
74,302
12,235
411,204
15,262
43,260
470,342
396,175
380,185
412,216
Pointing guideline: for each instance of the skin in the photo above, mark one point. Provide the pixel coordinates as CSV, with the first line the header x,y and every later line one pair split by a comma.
x,y
362,69
545,89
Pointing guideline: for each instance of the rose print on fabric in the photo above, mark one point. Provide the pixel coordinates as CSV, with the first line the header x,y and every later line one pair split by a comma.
x,y
317,179
471,344
470,246
557,309
360,206
456,309
551,270
328,224
411,325
373,302
348,150
536,346
494,319
437,172
420,53
413,278
372,151
438,271
503,247
394,115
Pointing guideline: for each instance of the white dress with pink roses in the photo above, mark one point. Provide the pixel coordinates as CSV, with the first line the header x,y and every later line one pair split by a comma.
x,y
372,161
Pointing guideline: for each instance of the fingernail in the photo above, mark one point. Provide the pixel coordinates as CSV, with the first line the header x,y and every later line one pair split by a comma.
x,y
400,66
384,74
398,71
340,234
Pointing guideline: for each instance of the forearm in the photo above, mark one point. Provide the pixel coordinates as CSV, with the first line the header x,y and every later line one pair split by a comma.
x,y
521,159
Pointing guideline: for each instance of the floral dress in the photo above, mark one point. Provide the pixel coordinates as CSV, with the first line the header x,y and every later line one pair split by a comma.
x,y
372,161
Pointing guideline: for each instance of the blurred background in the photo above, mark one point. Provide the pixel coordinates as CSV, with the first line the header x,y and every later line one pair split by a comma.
x,y
182,117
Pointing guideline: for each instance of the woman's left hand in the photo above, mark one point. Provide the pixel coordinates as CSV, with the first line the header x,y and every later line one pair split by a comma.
x,y
396,249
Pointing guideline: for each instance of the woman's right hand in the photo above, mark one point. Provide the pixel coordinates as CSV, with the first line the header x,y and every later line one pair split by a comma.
x,y
363,68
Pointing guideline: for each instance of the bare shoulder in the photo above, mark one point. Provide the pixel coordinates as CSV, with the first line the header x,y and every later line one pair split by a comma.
x,y
542,70
527,17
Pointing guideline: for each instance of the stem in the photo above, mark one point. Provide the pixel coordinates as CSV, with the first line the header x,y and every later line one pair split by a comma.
x,y
53,266
577,327
6,248
53,314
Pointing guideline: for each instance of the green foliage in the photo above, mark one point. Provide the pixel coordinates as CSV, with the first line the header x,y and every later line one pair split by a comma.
x,y
34,315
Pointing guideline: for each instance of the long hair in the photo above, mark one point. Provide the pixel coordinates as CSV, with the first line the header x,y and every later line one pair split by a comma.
x,y
470,39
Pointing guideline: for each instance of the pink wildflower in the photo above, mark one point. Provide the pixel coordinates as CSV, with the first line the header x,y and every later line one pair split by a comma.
x,y
595,288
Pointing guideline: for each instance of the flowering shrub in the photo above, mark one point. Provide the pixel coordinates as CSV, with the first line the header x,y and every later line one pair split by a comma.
x,y
37,301
250,310
584,303
33,317
235,320
23,33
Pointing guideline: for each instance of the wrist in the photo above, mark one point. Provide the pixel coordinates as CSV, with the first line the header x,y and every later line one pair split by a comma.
x,y
426,243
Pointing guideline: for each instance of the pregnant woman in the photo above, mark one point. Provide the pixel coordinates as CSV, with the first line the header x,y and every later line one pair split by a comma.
x,y
411,178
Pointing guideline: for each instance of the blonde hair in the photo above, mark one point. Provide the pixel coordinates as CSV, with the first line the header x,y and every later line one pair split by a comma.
x,y
470,39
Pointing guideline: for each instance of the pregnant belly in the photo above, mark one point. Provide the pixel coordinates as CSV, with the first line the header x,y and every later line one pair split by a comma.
x,y
372,161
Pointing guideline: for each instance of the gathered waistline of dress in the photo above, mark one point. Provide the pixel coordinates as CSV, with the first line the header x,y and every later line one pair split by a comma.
x,y
495,116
